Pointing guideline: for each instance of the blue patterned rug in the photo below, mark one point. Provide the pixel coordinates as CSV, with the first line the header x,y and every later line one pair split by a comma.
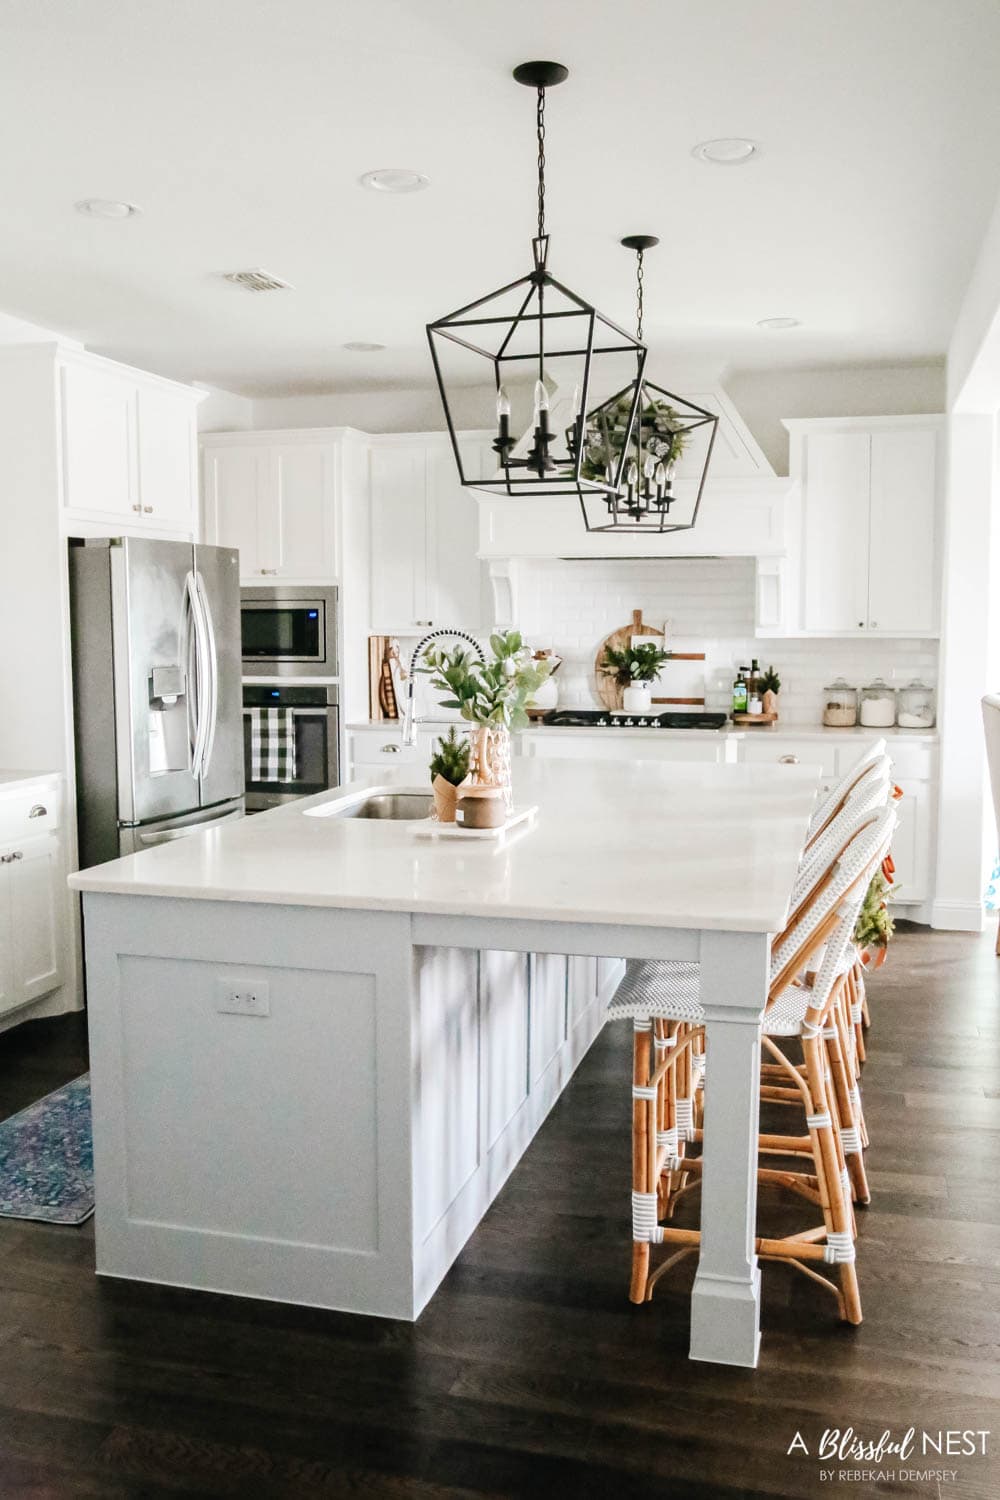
x,y
47,1158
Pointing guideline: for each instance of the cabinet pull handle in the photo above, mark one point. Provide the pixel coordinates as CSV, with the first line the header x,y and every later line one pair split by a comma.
x,y
268,572
137,507
390,749
423,622
148,509
788,760
38,811
5,859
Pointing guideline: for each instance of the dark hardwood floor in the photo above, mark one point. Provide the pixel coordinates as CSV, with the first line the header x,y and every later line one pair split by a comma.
x,y
530,1373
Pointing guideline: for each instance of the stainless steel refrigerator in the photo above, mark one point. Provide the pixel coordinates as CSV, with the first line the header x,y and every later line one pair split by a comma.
x,y
156,692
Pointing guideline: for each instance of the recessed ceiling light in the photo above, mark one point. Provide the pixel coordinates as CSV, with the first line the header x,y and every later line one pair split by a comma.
x,y
778,323
727,151
105,208
362,346
394,180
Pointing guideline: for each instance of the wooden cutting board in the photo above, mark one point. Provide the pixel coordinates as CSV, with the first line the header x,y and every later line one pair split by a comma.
x,y
608,690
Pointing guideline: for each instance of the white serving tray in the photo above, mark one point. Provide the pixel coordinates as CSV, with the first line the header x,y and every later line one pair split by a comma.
x,y
430,828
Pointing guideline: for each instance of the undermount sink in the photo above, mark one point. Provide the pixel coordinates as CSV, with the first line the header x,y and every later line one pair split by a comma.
x,y
404,804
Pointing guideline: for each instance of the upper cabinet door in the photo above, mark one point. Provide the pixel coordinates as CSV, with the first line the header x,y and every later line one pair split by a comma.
x,y
167,447
903,584
298,532
99,442
456,591
399,603
836,531
234,482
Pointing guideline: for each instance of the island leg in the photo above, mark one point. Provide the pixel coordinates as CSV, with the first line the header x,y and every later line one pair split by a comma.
x,y
725,1304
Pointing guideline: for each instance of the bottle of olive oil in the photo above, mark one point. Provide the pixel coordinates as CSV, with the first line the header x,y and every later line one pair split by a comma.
x,y
740,694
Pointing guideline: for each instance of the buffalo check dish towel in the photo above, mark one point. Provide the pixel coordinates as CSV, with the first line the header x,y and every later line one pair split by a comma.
x,y
272,744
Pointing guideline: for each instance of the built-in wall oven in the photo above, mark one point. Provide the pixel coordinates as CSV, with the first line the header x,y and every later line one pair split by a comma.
x,y
300,753
289,632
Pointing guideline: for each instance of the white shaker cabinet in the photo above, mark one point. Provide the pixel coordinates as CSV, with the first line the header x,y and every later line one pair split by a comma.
x,y
424,535
273,496
866,559
128,450
33,896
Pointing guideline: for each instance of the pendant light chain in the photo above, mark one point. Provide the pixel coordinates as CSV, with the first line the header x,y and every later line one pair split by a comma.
x,y
540,124
638,295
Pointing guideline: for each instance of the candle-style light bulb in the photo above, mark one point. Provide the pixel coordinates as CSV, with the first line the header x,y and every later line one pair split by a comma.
x,y
541,398
660,476
649,467
503,403
632,474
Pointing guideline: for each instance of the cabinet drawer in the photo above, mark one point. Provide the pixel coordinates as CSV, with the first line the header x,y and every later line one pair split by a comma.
x,y
28,811
385,749
773,750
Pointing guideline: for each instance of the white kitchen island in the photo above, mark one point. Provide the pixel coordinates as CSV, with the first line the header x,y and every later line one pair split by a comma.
x,y
319,1044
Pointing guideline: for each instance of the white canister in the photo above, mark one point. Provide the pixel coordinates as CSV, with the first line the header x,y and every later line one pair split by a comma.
x,y
878,705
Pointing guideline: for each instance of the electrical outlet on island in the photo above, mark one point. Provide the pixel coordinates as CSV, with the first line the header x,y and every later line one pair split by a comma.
x,y
243,997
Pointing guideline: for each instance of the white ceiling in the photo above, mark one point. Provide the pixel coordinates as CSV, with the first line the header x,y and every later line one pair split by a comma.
x,y
241,127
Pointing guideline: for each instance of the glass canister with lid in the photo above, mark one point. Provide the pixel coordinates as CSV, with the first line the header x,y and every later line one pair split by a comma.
x,y
840,705
915,706
878,705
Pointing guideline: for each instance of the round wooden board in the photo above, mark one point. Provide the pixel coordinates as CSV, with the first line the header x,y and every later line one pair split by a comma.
x,y
608,690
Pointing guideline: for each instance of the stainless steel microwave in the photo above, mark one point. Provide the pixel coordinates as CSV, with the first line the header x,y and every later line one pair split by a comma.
x,y
289,632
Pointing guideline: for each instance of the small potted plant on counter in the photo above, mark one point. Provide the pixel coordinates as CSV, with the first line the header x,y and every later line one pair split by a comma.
x,y
449,768
491,697
634,668
769,686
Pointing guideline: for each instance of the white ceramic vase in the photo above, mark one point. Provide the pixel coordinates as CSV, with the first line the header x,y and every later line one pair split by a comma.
x,y
637,699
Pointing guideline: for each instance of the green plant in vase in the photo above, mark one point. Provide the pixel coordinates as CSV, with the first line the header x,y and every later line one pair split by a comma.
x,y
769,684
634,668
490,696
449,767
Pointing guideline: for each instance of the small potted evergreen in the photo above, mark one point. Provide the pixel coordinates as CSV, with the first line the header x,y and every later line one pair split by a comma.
x,y
449,768
635,668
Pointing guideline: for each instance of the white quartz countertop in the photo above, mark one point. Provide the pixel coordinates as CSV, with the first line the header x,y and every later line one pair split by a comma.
x,y
642,844
10,779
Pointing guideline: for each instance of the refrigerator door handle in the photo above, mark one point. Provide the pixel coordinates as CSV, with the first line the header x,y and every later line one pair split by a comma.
x,y
201,675
170,835
212,661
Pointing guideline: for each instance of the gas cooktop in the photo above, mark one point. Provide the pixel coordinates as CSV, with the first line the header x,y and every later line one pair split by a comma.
x,y
600,718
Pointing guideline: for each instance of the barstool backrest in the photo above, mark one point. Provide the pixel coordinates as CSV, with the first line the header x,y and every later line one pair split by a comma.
x,y
834,799
870,793
817,919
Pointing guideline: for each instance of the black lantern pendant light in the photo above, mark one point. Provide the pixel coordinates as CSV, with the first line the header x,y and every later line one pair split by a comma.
x,y
551,356
636,438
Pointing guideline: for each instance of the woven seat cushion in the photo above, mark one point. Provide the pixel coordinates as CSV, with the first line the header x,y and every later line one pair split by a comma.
x,y
785,1016
658,987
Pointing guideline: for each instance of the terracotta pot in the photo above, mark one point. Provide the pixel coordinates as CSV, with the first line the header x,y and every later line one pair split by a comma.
x,y
771,703
445,799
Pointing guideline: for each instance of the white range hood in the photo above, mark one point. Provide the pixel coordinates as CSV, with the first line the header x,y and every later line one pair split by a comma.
x,y
742,514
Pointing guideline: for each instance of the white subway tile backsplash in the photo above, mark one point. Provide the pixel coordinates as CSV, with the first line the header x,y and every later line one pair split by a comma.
x,y
572,606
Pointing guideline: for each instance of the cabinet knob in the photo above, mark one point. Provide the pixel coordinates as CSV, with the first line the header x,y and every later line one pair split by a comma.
x,y
861,624
788,760
38,811
390,749
137,507
148,510
873,624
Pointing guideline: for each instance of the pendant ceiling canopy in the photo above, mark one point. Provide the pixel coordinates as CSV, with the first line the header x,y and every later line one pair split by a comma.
x,y
546,355
637,438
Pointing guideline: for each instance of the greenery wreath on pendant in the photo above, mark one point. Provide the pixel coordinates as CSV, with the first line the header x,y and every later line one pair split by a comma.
x,y
661,433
